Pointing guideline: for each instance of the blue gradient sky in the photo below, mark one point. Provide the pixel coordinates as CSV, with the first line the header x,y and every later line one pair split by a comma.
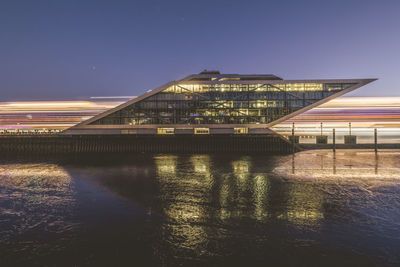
x,y
67,49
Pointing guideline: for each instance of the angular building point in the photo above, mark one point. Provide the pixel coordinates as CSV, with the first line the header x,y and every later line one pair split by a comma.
x,y
215,103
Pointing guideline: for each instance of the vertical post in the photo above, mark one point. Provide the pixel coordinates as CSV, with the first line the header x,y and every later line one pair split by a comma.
x,y
376,140
350,128
293,164
293,140
334,163
321,128
334,140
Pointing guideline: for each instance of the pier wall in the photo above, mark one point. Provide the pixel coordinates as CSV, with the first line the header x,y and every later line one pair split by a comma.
x,y
145,143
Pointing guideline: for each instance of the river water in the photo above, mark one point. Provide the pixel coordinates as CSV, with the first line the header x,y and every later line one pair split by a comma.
x,y
315,208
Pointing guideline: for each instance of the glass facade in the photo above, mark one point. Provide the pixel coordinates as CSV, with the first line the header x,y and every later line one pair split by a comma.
x,y
222,103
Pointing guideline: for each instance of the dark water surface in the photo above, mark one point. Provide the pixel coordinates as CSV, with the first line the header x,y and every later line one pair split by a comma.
x,y
311,209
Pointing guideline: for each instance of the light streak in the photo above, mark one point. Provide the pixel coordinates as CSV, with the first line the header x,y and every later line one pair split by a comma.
x,y
112,97
365,114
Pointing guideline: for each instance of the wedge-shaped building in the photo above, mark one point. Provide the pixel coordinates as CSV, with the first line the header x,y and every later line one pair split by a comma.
x,y
214,103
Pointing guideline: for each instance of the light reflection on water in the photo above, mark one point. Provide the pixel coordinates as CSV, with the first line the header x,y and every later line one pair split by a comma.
x,y
313,207
32,196
349,165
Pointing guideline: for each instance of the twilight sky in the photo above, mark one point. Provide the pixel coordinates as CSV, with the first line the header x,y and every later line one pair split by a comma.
x,y
61,49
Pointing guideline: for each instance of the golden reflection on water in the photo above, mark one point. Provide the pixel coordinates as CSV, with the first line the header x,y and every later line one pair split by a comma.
x,y
303,206
309,170
166,165
233,185
241,169
344,165
184,206
36,176
38,192
198,189
260,191
201,165
194,191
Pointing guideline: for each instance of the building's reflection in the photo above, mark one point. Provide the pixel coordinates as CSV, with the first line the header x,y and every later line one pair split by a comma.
x,y
184,187
198,192
260,195
201,165
166,165
233,187
193,193
193,203
346,165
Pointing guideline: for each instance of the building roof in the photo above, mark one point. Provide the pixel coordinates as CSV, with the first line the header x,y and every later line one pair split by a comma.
x,y
215,75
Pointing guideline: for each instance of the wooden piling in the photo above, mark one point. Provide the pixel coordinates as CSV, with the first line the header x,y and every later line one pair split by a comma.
x,y
334,140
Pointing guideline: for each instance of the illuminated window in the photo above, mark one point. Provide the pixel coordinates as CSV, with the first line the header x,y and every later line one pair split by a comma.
x,y
201,131
165,130
128,131
229,79
313,87
293,87
241,130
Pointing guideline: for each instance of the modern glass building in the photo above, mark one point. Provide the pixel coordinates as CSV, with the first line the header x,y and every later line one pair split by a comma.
x,y
215,103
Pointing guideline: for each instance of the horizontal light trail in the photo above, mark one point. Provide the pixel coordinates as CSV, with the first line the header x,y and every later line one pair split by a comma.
x,y
364,113
112,97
